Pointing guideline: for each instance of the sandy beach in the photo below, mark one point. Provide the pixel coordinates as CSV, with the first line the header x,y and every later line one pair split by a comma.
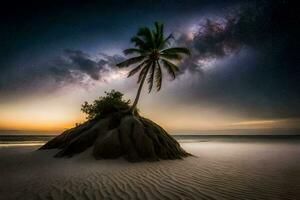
x,y
219,170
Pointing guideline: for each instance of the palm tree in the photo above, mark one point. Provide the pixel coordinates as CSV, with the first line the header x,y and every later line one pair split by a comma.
x,y
152,53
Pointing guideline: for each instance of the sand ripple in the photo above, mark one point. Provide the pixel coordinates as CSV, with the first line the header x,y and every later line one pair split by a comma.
x,y
220,171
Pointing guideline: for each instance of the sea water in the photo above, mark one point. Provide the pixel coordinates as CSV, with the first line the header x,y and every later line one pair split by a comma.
x,y
38,139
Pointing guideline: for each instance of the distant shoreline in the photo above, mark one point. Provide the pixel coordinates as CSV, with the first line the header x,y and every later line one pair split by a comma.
x,y
175,135
19,140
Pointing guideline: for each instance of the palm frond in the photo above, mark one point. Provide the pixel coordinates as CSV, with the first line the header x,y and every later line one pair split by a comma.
x,y
166,41
181,50
171,56
159,34
132,51
158,76
156,31
171,68
152,54
131,61
147,35
136,69
144,70
151,77
138,42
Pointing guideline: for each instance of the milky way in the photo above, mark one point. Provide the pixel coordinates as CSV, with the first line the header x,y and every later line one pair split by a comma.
x,y
243,61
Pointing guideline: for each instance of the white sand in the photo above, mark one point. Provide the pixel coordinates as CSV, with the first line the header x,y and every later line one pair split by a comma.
x,y
220,171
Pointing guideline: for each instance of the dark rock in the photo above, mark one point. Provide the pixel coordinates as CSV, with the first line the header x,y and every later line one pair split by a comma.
x,y
131,136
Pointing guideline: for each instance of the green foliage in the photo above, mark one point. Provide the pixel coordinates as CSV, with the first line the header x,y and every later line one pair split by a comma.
x,y
152,52
103,106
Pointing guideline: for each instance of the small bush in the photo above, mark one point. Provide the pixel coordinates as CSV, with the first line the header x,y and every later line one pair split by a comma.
x,y
103,106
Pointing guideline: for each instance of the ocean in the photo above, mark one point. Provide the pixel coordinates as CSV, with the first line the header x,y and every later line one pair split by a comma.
x,y
32,140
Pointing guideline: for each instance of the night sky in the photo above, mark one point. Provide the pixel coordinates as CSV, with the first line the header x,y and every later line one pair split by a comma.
x,y
243,76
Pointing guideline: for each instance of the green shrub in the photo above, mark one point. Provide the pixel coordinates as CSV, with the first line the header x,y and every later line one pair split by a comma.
x,y
103,106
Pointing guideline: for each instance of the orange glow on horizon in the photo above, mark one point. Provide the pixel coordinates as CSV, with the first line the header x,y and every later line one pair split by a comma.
x,y
43,115
37,125
60,112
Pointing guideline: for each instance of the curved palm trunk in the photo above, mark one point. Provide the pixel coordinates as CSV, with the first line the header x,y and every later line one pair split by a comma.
x,y
139,92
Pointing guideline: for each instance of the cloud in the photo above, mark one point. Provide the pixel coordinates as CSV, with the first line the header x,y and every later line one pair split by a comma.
x,y
77,60
253,53
71,67
266,26
252,50
213,40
